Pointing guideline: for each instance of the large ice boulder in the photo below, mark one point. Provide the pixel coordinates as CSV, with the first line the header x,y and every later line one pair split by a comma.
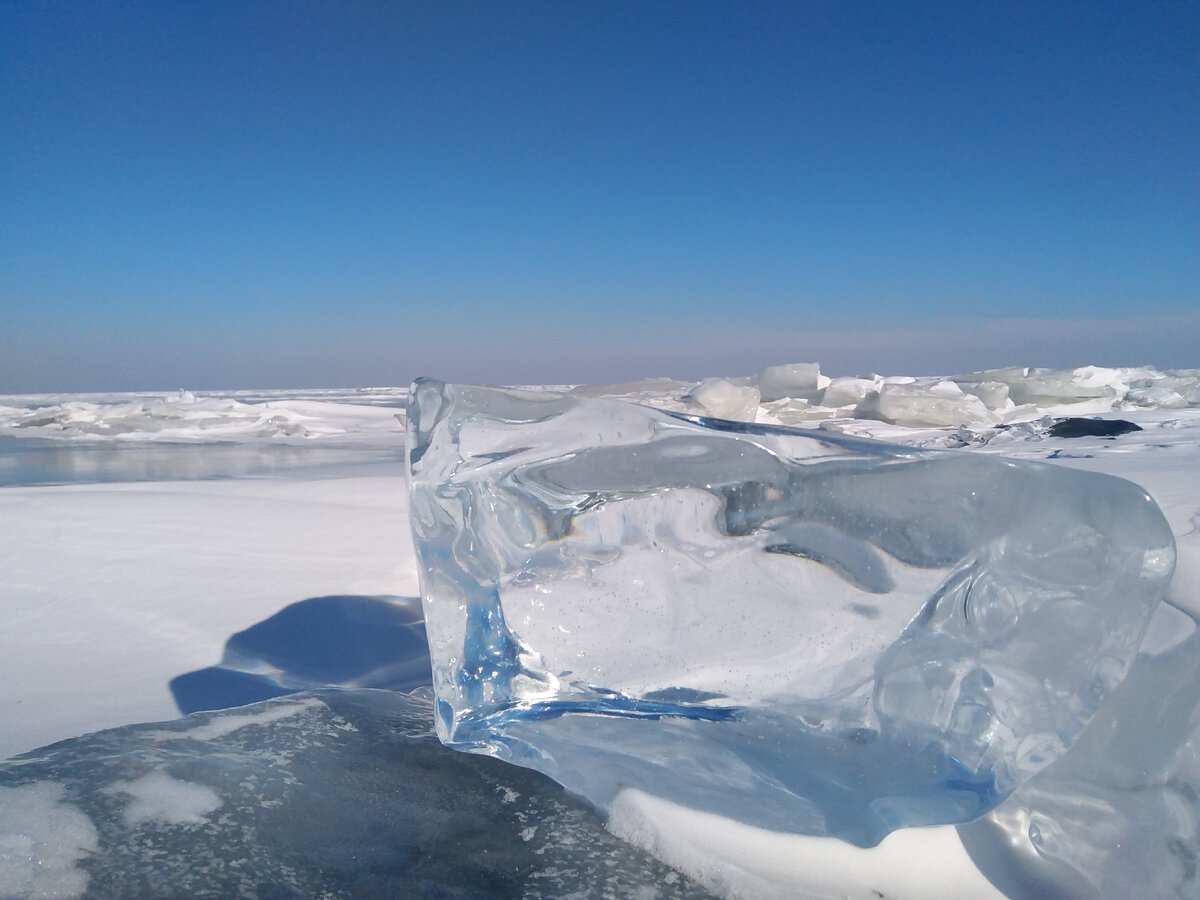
x,y
800,630
943,403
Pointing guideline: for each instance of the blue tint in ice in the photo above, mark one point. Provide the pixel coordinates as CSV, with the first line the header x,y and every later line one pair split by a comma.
x,y
804,631
327,794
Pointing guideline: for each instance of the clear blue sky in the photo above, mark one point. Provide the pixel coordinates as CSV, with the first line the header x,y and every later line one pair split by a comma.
x,y
245,194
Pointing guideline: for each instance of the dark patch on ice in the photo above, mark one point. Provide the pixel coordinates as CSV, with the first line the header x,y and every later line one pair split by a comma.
x,y
344,641
343,795
1073,427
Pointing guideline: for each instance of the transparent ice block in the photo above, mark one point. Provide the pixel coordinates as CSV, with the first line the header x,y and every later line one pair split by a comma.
x,y
805,631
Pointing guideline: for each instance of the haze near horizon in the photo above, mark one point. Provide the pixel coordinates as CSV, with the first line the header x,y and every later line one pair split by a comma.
x,y
255,195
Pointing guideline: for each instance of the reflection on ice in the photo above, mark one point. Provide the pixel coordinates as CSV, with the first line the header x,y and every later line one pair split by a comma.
x,y
32,461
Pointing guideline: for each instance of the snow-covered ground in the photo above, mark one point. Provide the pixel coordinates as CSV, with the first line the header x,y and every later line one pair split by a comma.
x,y
139,532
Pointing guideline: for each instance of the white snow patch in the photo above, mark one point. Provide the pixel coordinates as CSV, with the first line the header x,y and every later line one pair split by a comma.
x,y
741,862
42,839
157,797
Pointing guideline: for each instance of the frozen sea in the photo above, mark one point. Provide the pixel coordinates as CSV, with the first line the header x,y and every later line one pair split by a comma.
x,y
168,553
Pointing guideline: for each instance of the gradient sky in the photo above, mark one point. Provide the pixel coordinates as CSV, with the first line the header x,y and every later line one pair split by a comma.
x,y
217,195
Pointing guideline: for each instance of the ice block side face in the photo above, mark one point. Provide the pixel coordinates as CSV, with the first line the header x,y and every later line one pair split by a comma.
x,y
807,631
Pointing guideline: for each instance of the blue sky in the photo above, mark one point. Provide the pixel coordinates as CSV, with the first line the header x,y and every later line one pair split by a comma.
x,y
216,195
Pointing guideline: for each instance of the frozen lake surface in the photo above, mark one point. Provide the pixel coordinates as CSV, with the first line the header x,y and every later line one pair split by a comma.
x,y
43,461
141,534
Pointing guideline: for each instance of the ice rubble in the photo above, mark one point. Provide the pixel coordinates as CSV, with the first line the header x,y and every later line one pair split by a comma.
x,y
791,394
798,394
186,416
327,794
804,631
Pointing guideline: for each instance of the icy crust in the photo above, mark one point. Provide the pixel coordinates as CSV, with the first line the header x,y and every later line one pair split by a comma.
x,y
330,794
803,631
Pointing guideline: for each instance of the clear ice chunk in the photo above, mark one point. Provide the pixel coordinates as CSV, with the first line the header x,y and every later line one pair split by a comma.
x,y
801,630
1118,816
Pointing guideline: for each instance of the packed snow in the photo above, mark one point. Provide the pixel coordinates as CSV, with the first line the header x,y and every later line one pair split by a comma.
x,y
117,578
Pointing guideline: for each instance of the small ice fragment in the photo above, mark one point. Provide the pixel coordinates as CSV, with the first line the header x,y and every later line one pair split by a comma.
x,y
847,391
722,399
940,404
799,380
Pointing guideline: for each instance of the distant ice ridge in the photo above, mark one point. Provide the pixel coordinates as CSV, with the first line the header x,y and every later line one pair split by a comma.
x,y
798,394
800,630
970,408
185,416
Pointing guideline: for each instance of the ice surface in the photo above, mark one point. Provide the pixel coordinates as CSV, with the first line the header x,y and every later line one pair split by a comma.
x,y
804,631
329,794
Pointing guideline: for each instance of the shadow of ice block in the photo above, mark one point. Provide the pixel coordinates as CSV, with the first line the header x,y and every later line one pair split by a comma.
x,y
804,631
348,640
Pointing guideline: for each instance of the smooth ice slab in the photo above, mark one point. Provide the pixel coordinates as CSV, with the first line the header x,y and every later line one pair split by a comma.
x,y
801,630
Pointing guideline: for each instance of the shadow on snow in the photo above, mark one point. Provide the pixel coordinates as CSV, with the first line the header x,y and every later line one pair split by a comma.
x,y
343,641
